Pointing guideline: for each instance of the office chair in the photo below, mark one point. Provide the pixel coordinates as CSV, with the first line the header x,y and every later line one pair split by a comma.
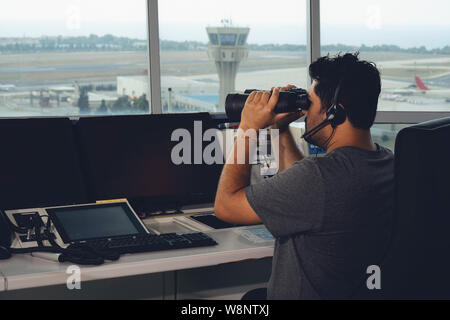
x,y
417,264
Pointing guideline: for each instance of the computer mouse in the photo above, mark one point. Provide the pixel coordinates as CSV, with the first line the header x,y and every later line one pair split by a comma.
x,y
4,253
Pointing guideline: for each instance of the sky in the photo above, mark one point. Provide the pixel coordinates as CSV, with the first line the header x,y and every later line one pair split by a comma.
x,y
403,22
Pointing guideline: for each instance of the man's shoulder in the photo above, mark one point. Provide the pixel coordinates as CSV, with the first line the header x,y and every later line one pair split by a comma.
x,y
347,161
309,164
353,153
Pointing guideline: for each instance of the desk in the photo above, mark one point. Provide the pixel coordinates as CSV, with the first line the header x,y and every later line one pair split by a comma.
x,y
25,271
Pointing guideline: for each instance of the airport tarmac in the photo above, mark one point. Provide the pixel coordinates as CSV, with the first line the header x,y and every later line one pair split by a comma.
x,y
263,70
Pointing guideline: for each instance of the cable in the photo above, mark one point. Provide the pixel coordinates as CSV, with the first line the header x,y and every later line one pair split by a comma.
x,y
37,230
329,139
35,249
49,235
55,248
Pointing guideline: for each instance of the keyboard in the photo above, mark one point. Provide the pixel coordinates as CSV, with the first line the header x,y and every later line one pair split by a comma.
x,y
149,243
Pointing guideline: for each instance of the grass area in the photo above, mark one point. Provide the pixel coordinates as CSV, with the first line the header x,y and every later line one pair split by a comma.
x,y
98,66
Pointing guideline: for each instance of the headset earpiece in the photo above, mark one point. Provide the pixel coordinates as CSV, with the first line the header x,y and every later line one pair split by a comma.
x,y
336,115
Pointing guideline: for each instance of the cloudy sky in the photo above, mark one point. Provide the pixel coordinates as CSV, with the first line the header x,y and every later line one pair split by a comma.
x,y
403,22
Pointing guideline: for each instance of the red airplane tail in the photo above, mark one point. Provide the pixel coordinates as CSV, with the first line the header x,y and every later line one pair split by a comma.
x,y
421,85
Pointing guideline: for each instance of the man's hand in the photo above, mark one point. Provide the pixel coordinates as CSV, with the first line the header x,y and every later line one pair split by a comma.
x,y
282,120
258,111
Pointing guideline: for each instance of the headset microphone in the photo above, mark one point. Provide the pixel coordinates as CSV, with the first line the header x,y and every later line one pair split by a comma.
x,y
316,129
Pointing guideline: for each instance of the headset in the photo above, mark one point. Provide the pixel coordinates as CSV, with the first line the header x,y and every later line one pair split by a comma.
x,y
336,115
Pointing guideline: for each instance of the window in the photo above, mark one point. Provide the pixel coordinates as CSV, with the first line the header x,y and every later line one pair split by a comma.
x,y
242,39
406,40
386,134
227,39
214,39
73,57
80,57
264,42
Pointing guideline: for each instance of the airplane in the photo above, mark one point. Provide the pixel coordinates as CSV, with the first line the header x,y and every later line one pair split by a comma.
x,y
420,89
6,87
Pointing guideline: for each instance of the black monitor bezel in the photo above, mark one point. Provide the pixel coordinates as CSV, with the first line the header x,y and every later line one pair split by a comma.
x,y
53,214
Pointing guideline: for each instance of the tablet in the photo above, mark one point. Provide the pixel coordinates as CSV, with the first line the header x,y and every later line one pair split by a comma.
x,y
96,221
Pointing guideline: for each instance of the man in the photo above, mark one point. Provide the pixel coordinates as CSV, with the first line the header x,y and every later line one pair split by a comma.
x,y
332,215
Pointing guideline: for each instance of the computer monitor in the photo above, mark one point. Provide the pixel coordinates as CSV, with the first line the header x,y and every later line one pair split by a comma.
x,y
130,157
39,165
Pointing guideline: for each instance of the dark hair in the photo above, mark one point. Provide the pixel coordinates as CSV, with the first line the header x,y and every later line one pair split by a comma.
x,y
360,86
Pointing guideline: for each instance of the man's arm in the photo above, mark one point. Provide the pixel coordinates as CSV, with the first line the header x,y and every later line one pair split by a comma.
x,y
231,203
288,152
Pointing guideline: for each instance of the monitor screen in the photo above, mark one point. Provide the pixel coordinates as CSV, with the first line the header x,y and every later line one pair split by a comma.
x,y
39,164
95,222
131,157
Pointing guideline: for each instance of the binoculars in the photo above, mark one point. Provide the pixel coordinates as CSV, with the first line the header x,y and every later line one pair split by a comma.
x,y
292,100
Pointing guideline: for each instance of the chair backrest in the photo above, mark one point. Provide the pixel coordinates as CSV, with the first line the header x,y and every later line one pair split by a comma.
x,y
417,264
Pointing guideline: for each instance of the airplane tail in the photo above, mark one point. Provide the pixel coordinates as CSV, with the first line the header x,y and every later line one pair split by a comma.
x,y
421,85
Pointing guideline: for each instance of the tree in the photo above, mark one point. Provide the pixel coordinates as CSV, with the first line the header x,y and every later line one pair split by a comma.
x,y
141,104
103,108
83,101
121,105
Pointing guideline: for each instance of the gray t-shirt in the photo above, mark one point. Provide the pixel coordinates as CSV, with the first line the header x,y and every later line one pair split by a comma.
x,y
332,219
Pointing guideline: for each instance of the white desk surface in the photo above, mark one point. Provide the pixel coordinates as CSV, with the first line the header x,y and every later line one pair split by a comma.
x,y
25,271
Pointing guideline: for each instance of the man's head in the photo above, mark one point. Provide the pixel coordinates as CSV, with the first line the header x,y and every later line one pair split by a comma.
x,y
360,87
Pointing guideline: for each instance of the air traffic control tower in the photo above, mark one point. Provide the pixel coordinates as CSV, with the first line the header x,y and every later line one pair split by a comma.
x,y
227,47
